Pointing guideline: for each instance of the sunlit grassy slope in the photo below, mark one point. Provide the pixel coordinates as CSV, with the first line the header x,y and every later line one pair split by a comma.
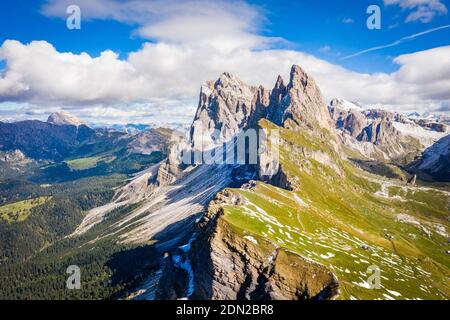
x,y
348,219
19,211
87,163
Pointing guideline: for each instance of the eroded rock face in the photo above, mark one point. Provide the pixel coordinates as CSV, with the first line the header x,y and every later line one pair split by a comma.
x,y
276,109
380,132
229,265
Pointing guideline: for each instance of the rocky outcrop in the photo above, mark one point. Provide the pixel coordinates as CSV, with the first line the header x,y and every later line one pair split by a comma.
x,y
276,110
380,132
434,126
229,265
14,157
13,163
260,106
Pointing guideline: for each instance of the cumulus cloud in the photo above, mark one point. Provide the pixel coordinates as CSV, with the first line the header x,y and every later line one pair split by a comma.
x,y
421,10
160,82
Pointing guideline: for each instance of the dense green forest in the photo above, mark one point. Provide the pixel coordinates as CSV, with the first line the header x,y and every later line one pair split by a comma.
x,y
35,252
55,218
108,271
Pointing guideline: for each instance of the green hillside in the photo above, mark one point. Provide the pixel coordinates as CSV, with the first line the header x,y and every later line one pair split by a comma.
x,y
348,219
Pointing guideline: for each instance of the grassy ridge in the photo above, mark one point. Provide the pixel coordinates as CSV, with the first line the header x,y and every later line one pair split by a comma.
x,y
348,219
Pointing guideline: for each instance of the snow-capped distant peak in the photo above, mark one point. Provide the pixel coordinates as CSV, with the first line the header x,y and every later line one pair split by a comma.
x,y
413,115
429,116
64,118
345,105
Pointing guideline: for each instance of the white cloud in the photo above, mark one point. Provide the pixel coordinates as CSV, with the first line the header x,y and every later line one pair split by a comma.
x,y
421,10
161,81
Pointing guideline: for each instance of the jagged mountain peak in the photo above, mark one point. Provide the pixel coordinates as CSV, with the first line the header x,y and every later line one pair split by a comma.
x,y
230,105
280,83
227,79
298,77
64,118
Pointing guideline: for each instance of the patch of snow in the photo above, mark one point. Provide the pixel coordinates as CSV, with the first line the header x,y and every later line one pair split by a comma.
x,y
425,136
362,284
328,255
394,293
388,296
440,229
346,105
251,239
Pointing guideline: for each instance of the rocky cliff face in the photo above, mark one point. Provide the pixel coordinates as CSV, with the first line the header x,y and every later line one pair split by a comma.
x,y
380,132
230,265
225,106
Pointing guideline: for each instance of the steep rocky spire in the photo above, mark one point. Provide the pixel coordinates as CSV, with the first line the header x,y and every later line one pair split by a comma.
x,y
305,102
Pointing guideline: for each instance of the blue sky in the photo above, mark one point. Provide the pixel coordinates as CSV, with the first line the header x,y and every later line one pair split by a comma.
x,y
320,33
